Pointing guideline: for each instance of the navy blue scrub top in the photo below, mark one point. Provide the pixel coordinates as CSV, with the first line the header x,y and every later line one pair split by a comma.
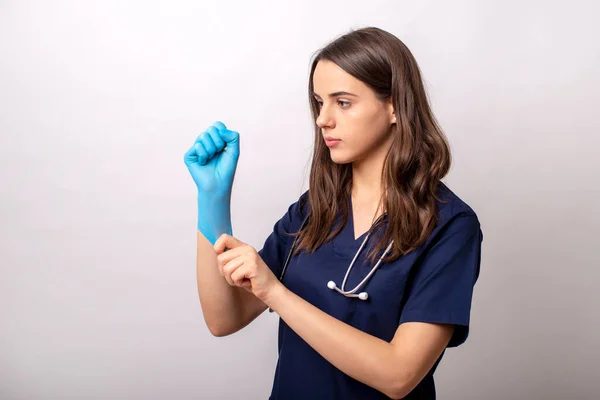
x,y
432,284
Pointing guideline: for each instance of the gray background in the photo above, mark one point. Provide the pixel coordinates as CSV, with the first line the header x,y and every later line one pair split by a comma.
x,y
100,100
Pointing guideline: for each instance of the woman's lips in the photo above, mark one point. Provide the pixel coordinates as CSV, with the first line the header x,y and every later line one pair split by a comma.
x,y
331,143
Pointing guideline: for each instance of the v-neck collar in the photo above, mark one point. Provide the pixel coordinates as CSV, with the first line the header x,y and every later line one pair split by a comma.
x,y
346,246
350,224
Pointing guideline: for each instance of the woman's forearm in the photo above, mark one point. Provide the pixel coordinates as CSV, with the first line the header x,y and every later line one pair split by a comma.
x,y
218,300
364,357
226,309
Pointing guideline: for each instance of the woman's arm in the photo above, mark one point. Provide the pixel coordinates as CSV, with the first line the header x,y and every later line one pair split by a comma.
x,y
393,368
226,309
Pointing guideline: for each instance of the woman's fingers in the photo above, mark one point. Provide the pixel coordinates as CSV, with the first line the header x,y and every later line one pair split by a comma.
x,y
229,255
201,153
230,268
209,144
218,142
236,261
226,241
238,277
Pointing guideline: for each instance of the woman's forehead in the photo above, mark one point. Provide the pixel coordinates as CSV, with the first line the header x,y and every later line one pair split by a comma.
x,y
329,79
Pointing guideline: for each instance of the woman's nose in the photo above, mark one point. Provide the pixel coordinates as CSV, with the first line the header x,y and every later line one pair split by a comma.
x,y
324,119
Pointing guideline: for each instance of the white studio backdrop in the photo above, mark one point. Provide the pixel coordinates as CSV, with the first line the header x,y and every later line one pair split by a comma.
x,y
100,100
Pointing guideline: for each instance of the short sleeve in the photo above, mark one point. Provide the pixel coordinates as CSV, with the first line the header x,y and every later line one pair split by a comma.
x,y
279,242
441,289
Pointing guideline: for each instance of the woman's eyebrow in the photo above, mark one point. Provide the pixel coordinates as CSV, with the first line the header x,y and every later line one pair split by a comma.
x,y
340,93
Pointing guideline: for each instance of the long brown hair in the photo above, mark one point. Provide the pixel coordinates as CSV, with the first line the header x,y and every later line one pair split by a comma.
x,y
418,158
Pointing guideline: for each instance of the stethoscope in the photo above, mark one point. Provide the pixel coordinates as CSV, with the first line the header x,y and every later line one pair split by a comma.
x,y
331,284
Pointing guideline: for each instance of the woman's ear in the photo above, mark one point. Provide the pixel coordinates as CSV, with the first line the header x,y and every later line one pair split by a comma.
x,y
392,113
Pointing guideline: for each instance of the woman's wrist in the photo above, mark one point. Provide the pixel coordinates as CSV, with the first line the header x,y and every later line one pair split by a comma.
x,y
277,297
214,217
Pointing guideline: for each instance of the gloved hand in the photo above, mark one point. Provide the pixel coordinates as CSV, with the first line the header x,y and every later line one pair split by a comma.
x,y
212,161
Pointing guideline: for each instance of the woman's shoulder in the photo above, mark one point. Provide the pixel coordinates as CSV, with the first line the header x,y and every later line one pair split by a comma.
x,y
298,210
455,215
450,206
456,222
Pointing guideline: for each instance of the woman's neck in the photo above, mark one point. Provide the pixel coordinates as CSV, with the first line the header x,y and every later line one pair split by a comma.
x,y
366,180
366,190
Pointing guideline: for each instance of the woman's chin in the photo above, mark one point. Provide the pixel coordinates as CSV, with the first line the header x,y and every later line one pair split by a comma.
x,y
339,159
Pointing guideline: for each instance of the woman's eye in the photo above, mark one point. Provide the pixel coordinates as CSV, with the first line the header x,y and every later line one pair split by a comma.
x,y
344,104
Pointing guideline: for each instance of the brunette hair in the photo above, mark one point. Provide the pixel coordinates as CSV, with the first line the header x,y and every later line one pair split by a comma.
x,y
418,158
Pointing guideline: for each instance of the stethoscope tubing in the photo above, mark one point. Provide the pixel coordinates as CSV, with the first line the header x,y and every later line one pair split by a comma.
x,y
332,284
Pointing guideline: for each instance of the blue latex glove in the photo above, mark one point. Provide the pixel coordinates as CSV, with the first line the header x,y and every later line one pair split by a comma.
x,y
212,161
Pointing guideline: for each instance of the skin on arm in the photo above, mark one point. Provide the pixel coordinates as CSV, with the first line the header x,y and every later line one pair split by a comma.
x,y
417,346
394,368
226,309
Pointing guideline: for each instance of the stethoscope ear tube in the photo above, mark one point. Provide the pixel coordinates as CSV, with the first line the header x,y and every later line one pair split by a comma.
x,y
287,260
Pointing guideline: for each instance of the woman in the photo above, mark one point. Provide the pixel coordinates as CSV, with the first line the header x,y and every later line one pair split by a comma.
x,y
378,159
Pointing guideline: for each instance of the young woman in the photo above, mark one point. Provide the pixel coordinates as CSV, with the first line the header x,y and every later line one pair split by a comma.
x,y
372,270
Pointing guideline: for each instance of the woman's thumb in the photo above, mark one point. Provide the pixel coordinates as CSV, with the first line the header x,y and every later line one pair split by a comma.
x,y
226,241
232,139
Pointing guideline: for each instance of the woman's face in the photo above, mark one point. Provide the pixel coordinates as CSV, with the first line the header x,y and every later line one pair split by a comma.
x,y
357,118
